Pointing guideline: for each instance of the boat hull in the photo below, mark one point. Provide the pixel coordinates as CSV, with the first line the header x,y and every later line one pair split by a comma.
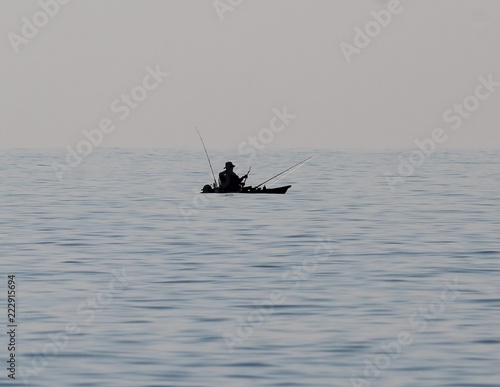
x,y
278,190
250,190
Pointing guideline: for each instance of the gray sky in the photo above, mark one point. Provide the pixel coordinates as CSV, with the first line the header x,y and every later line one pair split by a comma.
x,y
227,76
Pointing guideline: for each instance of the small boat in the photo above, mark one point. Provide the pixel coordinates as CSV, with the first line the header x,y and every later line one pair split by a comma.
x,y
251,190
248,190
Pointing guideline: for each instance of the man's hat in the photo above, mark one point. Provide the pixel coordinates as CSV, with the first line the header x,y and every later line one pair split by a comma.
x,y
229,164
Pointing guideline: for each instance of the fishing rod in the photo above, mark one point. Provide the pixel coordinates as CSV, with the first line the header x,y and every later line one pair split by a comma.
x,y
279,174
248,173
208,157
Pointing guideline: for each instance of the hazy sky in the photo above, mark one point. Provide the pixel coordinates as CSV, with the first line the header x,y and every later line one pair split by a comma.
x,y
228,76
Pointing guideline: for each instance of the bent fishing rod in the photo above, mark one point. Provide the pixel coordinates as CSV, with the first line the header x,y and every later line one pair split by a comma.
x,y
208,157
279,174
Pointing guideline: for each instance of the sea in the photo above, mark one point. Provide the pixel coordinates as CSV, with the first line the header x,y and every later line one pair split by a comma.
x,y
368,272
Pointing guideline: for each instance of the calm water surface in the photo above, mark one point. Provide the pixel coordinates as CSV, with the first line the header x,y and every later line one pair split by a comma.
x,y
341,282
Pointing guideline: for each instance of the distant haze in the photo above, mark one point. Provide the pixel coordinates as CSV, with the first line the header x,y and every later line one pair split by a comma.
x,y
306,70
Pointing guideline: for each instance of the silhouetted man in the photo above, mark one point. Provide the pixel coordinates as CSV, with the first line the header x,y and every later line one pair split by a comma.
x,y
230,181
